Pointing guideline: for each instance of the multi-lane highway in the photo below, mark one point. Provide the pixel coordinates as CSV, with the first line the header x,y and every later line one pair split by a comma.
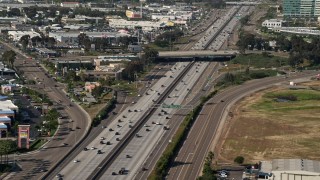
x,y
208,126
138,149
87,161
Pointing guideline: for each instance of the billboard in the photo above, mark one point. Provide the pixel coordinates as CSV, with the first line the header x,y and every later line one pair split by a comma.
x,y
23,134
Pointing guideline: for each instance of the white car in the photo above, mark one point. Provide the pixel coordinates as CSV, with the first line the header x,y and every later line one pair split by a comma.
x,y
75,161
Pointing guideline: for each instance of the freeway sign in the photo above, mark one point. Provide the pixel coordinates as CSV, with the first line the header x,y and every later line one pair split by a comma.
x,y
173,106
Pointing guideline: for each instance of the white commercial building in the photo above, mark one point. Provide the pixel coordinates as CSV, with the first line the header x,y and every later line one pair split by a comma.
x,y
71,38
70,4
289,169
272,23
144,25
16,35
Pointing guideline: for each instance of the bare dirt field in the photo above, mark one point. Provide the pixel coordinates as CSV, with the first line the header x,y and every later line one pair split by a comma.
x,y
263,128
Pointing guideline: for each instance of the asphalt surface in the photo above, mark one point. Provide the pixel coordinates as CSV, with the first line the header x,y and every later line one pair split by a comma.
x,y
88,161
151,134
32,163
203,86
208,126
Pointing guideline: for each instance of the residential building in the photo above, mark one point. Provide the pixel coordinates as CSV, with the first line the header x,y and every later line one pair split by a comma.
x,y
301,8
89,86
289,169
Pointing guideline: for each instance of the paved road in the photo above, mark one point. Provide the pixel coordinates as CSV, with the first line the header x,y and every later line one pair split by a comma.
x,y
89,160
140,148
202,87
207,128
31,164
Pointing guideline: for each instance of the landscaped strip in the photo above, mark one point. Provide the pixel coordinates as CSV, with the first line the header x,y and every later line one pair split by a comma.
x,y
162,166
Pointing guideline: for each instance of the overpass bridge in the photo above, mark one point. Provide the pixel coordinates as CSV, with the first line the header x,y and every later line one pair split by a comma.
x,y
196,55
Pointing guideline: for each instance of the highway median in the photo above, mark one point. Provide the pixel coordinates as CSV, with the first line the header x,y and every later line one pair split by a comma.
x,y
163,164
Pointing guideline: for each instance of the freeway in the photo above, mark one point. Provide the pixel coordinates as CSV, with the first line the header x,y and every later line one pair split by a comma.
x,y
122,102
208,126
202,87
87,161
33,164
138,149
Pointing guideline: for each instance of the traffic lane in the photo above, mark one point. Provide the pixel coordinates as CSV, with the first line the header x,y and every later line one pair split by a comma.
x,y
190,150
219,109
138,148
94,133
173,124
33,68
121,132
154,118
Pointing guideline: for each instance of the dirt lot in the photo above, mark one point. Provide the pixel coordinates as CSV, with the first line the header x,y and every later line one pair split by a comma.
x,y
264,129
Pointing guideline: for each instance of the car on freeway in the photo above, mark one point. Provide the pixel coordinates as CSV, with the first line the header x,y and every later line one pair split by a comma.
x,y
76,161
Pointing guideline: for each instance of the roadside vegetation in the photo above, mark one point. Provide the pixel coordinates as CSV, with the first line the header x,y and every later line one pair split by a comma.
x,y
49,123
208,171
282,123
263,60
163,164
103,113
241,77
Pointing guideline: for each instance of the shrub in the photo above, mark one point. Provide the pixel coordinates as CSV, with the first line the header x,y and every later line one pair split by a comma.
x,y
288,97
239,159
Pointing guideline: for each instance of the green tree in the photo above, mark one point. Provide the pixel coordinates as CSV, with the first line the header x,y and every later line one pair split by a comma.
x,y
295,59
244,20
239,159
229,77
97,91
35,40
150,54
84,41
24,40
208,172
9,57
14,12
246,41
6,147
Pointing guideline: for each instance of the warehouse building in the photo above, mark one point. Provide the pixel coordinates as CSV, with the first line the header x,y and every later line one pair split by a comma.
x,y
289,169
